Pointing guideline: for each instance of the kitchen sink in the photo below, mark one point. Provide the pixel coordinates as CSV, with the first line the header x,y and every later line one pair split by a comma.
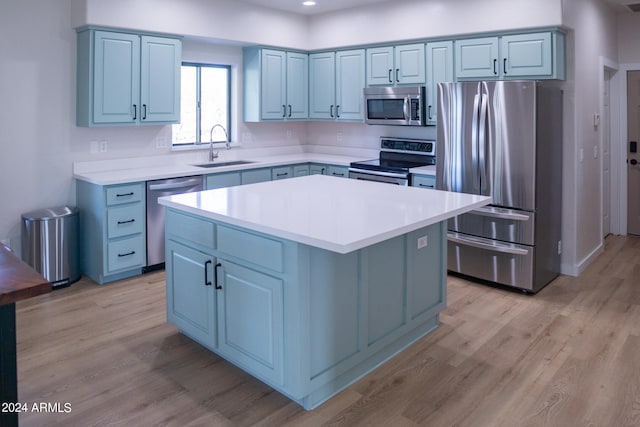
x,y
217,165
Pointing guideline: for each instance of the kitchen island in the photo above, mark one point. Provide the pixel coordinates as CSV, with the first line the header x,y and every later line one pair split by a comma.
x,y
312,282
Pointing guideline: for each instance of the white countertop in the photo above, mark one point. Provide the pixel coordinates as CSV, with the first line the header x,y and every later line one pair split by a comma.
x,y
131,172
337,214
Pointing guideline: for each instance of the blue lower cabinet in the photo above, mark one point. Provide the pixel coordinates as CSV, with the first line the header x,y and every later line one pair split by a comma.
x,y
423,181
255,175
307,321
251,319
341,171
318,169
191,292
301,170
222,180
283,172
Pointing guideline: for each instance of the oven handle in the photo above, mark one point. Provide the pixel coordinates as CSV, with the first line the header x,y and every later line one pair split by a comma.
x,y
491,245
381,173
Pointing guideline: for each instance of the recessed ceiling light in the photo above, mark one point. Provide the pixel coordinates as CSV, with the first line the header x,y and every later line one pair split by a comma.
x,y
309,3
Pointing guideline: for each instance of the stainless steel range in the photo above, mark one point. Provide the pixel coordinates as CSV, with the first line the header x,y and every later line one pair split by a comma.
x,y
397,157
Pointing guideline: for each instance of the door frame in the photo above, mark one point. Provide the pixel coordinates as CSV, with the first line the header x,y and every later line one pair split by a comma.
x,y
619,152
612,67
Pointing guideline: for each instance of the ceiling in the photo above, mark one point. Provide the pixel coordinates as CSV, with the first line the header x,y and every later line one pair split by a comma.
x,y
324,6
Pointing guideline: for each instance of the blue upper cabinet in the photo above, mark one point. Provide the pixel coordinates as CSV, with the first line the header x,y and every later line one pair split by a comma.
x,y
439,69
514,56
127,79
160,79
275,85
390,65
477,58
336,83
527,55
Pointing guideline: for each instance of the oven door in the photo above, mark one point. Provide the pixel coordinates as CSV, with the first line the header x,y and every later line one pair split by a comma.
x,y
379,176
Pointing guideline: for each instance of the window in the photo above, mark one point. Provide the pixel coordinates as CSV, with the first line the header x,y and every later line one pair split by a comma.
x,y
205,102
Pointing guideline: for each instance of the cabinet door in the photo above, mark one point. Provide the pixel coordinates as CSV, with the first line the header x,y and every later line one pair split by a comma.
x,y
526,55
477,58
273,85
409,64
250,315
160,79
301,170
439,69
255,175
322,85
380,66
297,85
116,86
190,292
221,180
317,169
350,80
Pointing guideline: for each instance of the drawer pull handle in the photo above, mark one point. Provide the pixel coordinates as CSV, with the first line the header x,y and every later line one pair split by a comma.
x,y
126,222
425,185
338,174
207,282
216,275
127,254
125,194
282,174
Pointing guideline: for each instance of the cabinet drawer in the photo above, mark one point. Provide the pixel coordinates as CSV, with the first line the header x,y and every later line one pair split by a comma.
x,y
256,249
424,181
339,171
125,253
125,220
281,173
125,194
193,229
301,170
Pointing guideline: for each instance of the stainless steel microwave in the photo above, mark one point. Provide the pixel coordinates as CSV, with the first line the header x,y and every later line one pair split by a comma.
x,y
394,105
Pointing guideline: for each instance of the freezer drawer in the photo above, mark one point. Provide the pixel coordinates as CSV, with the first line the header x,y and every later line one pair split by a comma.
x,y
503,263
509,225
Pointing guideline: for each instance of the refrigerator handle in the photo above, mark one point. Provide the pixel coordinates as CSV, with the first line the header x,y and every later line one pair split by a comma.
x,y
474,142
482,144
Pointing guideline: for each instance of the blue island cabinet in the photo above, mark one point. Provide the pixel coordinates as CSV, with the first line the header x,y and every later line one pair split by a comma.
x,y
304,320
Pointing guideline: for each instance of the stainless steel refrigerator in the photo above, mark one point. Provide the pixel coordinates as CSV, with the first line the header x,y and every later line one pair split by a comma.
x,y
503,139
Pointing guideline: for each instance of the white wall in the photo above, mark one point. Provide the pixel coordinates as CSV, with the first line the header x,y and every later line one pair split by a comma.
x,y
629,38
592,36
415,19
214,19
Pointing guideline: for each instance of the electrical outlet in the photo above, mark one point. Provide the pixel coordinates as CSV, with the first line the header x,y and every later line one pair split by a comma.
x,y
581,155
103,146
559,247
423,242
289,134
161,141
339,136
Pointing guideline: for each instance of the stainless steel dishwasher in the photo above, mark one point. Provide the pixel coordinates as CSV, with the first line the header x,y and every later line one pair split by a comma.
x,y
155,213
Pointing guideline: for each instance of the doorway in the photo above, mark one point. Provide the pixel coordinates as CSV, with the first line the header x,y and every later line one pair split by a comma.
x,y
606,152
633,155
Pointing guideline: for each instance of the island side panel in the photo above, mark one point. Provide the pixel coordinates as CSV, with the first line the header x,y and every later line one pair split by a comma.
x,y
368,305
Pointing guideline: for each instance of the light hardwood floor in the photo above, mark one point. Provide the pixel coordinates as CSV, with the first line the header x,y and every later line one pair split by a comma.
x,y
568,356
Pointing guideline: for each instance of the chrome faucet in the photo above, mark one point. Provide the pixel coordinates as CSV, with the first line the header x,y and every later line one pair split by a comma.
x,y
212,155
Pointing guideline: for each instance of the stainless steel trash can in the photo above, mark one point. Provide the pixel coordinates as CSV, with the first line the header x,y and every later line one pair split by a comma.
x,y
50,243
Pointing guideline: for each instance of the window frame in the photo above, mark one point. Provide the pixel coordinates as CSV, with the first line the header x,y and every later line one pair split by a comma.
x,y
199,66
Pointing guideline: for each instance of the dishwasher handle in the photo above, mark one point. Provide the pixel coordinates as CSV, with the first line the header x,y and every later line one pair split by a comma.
x,y
173,185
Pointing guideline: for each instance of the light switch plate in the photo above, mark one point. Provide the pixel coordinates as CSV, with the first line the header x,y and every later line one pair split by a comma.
x,y
423,242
